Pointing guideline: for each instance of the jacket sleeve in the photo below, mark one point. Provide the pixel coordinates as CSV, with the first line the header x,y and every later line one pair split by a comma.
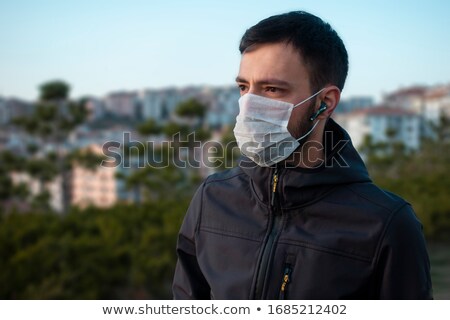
x,y
189,282
403,266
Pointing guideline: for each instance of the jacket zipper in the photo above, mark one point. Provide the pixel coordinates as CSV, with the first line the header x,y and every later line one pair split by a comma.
x,y
286,280
274,187
275,227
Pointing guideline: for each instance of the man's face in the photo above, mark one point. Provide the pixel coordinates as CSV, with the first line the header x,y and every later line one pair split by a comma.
x,y
278,72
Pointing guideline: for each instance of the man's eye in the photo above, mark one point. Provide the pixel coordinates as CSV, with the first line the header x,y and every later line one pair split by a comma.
x,y
242,87
272,89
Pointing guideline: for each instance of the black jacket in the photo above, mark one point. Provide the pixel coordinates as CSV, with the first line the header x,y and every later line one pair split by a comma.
x,y
324,233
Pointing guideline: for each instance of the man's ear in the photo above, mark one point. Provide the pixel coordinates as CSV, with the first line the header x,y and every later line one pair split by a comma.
x,y
330,97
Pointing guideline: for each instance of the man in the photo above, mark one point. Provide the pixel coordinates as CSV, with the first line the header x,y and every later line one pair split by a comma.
x,y
299,218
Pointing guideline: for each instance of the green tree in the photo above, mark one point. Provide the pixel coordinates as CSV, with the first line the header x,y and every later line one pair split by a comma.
x,y
421,177
231,152
9,162
124,252
54,90
149,127
191,108
172,128
54,117
5,184
385,157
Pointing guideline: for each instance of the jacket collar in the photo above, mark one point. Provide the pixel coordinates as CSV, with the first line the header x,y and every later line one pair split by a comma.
x,y
300,186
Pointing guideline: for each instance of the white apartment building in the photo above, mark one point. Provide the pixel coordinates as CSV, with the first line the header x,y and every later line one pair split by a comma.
x,y
427,102
377,121
411,98
437,103
122,103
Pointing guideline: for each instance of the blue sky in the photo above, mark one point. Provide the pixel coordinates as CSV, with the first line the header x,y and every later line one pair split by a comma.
x,y
104,46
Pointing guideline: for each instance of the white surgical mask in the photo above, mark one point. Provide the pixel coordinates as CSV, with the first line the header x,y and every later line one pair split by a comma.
x,y
261,129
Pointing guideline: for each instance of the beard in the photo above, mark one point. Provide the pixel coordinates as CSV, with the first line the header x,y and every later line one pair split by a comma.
x,y
304,124
300,129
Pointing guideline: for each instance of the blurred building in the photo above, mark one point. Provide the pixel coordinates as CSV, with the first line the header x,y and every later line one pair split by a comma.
x,y
93,187
383,124
124,192
402,116
411,98
95,107
430,103
160,104
4,139
3,112
106,185
83,136
354,103
224,107
122,103
15,140
35,187
12,138
221,102
13,108
437,103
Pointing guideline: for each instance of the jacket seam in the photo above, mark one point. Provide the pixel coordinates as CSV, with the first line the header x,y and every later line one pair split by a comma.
x,y
211,180
373,202
249,180
200,214
236,235
385,231
311,202
327,250
225,232
400,204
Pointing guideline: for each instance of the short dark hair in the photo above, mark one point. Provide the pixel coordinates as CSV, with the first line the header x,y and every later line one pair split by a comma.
x,y
318,44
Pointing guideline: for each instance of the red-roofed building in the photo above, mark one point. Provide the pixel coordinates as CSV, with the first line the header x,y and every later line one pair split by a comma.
x,y
411,98
437,103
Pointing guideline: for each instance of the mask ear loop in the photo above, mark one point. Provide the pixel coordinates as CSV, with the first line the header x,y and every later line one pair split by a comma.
x,y
314,126
315,94
311,130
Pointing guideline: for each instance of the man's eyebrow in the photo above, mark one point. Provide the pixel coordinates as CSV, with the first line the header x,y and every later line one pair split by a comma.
x,y
268,81
239,79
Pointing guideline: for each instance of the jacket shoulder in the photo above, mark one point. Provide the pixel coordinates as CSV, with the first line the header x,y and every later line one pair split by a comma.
x,y
378,197
228,174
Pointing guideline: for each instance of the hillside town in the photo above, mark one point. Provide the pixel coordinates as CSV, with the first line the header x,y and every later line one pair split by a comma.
x,y
405,115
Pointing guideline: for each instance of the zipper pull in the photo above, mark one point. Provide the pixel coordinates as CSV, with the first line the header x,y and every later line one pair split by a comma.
x,y
275,181
274,186
286,279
